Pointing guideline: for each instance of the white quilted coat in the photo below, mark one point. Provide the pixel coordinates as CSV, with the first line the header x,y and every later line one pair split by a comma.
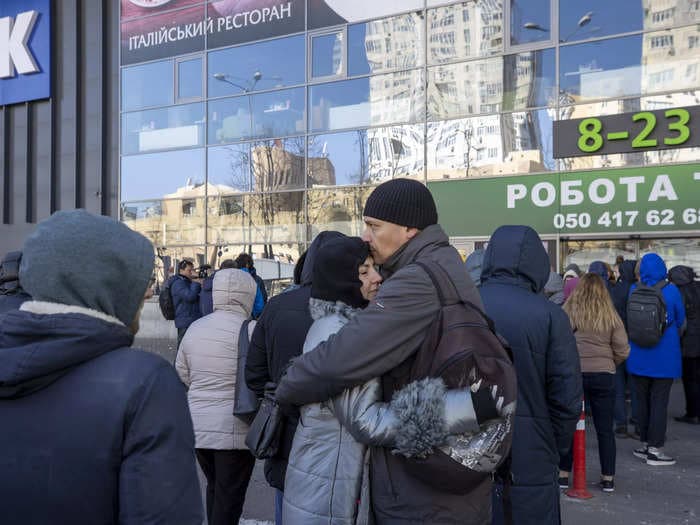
x,y
207,362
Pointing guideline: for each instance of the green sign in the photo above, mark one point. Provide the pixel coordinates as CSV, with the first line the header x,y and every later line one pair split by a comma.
x,y
629,200
628,132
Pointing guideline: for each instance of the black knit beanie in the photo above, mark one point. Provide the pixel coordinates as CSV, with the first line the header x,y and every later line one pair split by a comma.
x,y
337,269
405,202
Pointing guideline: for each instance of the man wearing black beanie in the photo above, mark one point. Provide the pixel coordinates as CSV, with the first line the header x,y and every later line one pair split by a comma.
x,y
401,228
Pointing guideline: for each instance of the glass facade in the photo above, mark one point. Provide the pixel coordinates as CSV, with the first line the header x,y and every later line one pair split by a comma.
x,y
257,138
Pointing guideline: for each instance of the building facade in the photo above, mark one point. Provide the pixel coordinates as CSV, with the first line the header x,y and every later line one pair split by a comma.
x,y
215,127
59,111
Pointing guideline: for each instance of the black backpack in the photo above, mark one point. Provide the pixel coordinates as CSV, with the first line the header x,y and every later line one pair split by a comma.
x,y
463,349
646,314
165,299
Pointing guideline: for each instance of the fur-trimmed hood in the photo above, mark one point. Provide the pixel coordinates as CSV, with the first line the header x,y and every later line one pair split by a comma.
x,y
320,308
43,341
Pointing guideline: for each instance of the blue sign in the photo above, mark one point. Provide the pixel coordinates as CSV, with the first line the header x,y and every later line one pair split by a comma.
x,y
25,50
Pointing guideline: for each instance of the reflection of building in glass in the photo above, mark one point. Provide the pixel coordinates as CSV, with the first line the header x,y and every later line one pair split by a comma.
x,y
485,146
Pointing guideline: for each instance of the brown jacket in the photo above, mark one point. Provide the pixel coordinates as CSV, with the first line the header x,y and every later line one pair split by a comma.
x,y
602,352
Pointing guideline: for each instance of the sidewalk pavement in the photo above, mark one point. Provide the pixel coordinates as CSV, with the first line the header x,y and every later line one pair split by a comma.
x,y
644,495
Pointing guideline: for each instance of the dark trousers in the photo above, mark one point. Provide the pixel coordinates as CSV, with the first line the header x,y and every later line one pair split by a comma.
x,y
652,404
599,393
623,380
691,385
228,473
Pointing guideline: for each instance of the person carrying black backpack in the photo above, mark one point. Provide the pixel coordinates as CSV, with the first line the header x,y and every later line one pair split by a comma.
x,y
655,318
684,278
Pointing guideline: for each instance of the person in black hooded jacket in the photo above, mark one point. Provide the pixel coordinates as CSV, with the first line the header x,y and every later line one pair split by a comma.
x,y
94,431
620,294
516,268
684,278
278,337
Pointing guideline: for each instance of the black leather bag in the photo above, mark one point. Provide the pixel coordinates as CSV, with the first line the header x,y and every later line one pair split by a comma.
x,y
263,438
245,402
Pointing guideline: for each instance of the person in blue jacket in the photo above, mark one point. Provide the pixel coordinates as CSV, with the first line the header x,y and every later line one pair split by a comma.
x,y
245,262
515,270
655,368
185,291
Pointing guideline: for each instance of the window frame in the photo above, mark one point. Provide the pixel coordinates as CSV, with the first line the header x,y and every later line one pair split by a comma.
x,y
326,31
509,48
176,80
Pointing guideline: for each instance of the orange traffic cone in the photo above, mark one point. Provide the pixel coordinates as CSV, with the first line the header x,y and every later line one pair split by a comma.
x,y
579,489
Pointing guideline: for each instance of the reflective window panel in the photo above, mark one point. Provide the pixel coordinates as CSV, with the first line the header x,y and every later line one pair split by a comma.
x,y
584,252
166,128
465,30
670,60
382,45
667,13
170,221
673,251
507,144
529,80
365,156
189,78
530,21
276,217
228,168
338,209
327,55
264,65
272,114
147,85
162,175
465,88
362,102
602,69
596,18
227,218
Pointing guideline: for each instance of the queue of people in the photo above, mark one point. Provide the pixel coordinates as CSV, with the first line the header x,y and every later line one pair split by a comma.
x,y
103,433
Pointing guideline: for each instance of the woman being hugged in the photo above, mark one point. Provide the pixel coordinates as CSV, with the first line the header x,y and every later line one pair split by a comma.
x,y
602,345
327,475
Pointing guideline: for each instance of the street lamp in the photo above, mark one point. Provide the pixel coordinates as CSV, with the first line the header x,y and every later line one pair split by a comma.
x,y
223,77
583,21
535,27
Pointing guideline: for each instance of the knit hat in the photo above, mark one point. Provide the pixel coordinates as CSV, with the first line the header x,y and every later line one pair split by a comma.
x,y
405,202
80,259
337,269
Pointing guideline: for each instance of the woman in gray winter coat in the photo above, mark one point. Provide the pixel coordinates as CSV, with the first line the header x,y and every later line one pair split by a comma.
x,y
327,475
207,363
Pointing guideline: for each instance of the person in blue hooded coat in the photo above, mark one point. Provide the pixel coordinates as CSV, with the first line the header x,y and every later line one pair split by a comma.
x,y
655,368
516,269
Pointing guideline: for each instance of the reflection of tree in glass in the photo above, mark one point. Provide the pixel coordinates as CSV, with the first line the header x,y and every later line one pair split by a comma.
x,y
269,169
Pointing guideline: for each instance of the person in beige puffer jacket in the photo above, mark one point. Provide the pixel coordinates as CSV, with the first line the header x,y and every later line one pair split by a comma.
x,y
207,363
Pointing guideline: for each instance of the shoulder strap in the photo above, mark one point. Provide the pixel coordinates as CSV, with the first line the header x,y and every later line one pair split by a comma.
x,y
438,278
243,339
660,285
